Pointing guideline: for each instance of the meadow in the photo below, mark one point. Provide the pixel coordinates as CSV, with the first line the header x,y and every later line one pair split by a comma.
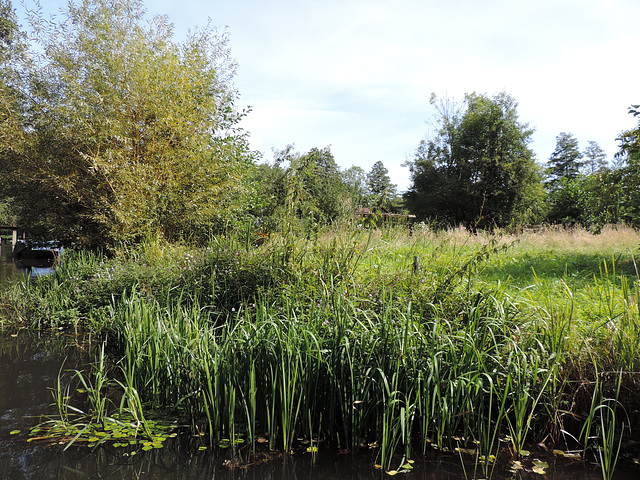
x,y
392,340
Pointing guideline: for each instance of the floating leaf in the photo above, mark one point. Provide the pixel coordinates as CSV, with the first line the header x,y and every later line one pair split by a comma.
x,y
312,449
525,453
538,470
202,448
146,448
14,432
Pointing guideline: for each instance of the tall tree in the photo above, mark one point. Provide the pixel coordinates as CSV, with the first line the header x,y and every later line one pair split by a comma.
x,y
629,171
13,65
356,185
130,133
594,157
380,186
564,162
563,181
477,168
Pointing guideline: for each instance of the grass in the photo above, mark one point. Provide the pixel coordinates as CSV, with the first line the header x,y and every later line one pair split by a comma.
x,y
384,339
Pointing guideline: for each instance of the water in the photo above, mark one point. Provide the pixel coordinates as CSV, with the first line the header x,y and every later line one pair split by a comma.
x,y
8,269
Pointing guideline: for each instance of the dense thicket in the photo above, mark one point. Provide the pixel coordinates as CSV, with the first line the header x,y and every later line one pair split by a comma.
x,y
119,132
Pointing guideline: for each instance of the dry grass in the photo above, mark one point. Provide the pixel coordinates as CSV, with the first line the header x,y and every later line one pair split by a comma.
x,y
612,239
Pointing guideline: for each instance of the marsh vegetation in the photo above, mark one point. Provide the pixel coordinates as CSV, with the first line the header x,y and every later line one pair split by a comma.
x,y
391,340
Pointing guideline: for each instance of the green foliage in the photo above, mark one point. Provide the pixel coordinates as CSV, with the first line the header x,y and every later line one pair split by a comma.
x,y
379,337
355,182
380,186
129,132
595,159
303,191
564,162
477,169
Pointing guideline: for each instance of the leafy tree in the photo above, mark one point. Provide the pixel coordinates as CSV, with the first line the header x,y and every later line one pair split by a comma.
x,y
563,182
303,190
13,62
600,198
322,189
594,157
477,169
129,133
380,186
355,183
628,174
630,141
564,162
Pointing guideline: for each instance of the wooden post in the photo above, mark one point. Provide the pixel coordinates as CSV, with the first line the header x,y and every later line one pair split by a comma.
x,y
14,238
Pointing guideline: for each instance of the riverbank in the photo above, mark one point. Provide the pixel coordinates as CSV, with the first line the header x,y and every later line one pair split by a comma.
x,y
389,340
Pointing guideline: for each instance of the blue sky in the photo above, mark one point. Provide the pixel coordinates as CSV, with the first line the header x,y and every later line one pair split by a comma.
x,y
358,74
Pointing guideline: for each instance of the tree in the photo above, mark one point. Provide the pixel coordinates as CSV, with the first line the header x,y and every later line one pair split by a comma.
x,y
628,174
595,157
129,133
356,187
12,111
304,190
477,168
629,152
564,162
380,186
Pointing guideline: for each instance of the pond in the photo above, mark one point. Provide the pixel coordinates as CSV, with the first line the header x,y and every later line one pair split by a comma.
x,y
31,363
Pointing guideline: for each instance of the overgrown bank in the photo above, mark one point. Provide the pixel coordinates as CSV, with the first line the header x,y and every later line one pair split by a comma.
x,y
401,341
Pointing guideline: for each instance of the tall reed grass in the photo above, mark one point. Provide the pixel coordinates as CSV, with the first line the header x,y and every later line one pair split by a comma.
x,y
402,341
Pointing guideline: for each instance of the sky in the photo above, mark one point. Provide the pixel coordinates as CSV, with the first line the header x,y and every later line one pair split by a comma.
x,y
357,75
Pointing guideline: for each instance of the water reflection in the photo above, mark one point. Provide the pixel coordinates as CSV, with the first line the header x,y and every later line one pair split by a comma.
x,y
9,271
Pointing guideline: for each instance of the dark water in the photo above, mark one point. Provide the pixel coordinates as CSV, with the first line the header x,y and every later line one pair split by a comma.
x,y
8,269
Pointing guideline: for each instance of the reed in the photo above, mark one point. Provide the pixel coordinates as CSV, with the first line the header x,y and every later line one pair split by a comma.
x,y
342,338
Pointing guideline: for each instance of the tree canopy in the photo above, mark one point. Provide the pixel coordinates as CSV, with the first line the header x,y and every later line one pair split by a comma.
x,y
381,189
124,132
476,169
